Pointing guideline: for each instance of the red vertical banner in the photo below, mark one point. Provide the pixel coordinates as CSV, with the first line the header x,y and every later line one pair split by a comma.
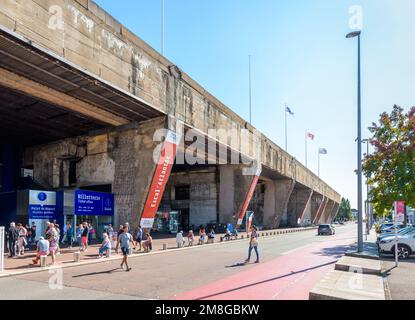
x,y
160,179
248,197
399,212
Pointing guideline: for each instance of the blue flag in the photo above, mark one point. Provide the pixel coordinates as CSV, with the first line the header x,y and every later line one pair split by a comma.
x,y
287,109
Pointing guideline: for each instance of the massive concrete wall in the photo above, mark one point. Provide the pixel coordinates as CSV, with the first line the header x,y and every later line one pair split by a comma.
x,y
123,159
203,200
85,35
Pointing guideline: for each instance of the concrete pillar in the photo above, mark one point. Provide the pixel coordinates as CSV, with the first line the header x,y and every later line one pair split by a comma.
x,y
326,216
277,195
305,217
316,202
226,194
320,210
334,212
297,205
134,169
233,189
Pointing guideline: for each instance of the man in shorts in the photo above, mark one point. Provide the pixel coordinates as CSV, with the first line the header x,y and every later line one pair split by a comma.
x,y
125,239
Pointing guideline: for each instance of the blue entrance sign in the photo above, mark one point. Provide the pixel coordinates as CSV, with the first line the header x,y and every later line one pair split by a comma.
x,y
90,203
42,205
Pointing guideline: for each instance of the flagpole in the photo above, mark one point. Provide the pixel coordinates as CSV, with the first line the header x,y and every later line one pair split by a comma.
x,y
306,149
162,27
250,91
286,131
319,162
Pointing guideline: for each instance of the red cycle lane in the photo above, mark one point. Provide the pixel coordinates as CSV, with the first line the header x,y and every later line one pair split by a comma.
x,y
288,277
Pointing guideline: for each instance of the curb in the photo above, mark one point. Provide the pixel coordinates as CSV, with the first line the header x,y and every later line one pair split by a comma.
x,y
104,260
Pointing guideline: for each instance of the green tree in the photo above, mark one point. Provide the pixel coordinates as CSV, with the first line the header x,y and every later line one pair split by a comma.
x,y
345,210
391,168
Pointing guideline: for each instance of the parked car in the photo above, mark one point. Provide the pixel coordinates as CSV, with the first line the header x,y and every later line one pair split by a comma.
x,y
406,245
391,230
401,232
326,229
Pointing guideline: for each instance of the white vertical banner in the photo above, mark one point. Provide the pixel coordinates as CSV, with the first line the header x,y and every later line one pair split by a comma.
x,y
2,236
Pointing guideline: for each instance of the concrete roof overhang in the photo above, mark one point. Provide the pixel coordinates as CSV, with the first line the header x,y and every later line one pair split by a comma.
x,y
30,118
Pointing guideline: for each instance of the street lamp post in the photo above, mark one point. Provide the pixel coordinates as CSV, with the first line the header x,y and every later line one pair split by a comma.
x,y
359,146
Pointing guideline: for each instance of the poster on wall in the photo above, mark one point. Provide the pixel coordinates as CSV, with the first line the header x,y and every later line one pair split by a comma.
x,y
160,179
42,205
91,203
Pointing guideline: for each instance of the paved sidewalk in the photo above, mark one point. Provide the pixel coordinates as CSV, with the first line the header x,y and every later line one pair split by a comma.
x,y
357,276
23,264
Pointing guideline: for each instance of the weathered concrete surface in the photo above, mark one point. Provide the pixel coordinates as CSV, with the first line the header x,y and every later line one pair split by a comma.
x,y
297,205
85,35
278,195
360,265
123,159
316,203
326,215
321,209
340,285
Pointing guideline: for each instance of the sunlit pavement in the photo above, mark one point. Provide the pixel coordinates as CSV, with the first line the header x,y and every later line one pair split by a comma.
x,y
290,266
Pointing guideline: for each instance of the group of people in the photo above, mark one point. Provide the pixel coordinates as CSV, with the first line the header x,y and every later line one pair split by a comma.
x,y
127,239
20,238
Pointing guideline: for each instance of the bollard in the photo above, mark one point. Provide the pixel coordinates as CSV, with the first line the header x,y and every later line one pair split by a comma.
x,y
242,237
266,234
130,251
43,261
77,256
108,254
164,246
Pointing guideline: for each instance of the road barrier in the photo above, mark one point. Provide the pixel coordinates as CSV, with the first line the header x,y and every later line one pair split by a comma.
x,y
2,234
77,256
43,261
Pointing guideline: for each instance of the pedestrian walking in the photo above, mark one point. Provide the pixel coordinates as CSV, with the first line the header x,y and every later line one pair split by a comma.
x,y
12,236
69,235
253,244
85,233
124,240
53,242
91,233
21,240
190,238
32,239
139,238
79,232
180,239
42,249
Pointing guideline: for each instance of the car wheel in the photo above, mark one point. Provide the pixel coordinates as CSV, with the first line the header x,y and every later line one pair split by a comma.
x,y
403,252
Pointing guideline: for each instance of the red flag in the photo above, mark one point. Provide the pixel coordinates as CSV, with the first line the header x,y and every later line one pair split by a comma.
x,y
310,136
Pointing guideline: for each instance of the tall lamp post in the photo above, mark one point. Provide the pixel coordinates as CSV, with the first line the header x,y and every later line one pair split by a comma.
x,y
359,147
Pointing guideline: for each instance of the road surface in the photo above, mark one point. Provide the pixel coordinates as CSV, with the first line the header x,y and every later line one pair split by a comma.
x,y
290,266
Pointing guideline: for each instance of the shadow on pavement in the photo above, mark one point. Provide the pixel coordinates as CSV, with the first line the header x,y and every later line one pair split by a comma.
x,y
97,273
335,252
265,281
239,264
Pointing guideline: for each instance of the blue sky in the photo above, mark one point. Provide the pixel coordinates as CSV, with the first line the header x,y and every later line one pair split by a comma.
x,y
299,56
